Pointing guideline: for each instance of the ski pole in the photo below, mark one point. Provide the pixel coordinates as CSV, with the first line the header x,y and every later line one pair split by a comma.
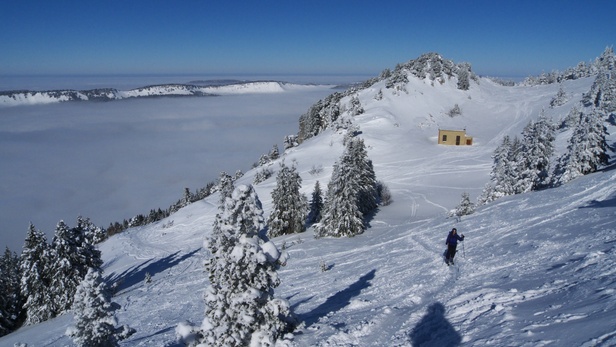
x,y
463,251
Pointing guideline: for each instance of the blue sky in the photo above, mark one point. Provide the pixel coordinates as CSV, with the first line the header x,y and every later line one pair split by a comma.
x,y
498,37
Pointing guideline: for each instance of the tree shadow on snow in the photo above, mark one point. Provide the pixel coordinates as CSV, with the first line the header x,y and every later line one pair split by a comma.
x,y
338,300
137,273
609,202
434,330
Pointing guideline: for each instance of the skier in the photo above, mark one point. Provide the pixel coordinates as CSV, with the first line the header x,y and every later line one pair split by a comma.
x,y
452,243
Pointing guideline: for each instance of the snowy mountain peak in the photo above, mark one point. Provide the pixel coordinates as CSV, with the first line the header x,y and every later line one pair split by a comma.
x,y
433,66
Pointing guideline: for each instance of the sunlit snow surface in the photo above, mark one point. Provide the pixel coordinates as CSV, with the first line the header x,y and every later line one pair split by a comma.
x,y
535,269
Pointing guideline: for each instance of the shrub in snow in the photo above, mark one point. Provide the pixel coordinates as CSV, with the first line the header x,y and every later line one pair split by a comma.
x,y
94,318
316,169
240,307
290,141
384,194
379,95
455,111
262,175
324,266
188,333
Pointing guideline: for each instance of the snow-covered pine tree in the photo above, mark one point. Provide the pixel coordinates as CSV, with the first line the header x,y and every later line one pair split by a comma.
x,y
347,194
466,207
572,119
602,94
464,75
10,296
274,153
560,98
35,267
95,321
316,205
225,187
379,95
502,169
93,234
64,276
186,198
355,107
288,214
73,255
367,198
586,151
240,307
534,159
514,167
89,255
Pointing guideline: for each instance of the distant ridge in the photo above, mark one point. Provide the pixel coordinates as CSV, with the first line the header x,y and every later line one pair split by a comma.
x,y
193,88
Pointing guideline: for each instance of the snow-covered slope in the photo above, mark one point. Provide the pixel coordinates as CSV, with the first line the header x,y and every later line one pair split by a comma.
x,y
16,98
535,269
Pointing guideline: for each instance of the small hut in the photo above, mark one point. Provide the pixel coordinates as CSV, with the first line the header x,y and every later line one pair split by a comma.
x,y
454,138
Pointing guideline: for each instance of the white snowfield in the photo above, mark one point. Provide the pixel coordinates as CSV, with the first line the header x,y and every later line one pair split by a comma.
x,y
535,269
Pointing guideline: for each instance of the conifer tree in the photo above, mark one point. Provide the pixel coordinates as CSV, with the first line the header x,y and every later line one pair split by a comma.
x,y
73,256
534,159
288,214
240,307
316,205
348,194
95,320
466,207
504,174
355,107
367,197
586,151
88,234
560,98
514,167
35,269
274,153
225,187
464,76
92,233
10,296
65,277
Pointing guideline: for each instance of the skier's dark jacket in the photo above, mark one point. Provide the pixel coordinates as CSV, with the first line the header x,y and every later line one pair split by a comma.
x,y
453,239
